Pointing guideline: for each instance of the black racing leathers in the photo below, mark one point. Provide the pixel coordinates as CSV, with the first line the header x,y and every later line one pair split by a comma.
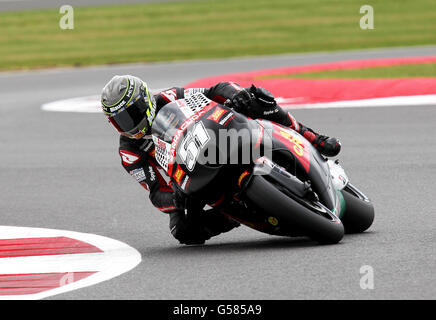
x,y
137,156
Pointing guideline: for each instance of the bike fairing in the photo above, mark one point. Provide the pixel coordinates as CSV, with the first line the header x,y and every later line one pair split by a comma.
x,y
203,175
150,177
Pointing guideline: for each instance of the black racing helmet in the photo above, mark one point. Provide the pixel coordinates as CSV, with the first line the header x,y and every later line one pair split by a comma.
x,y
129,106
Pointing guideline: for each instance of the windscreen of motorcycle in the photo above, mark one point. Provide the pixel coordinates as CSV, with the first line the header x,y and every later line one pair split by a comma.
x,y
168,121
171,117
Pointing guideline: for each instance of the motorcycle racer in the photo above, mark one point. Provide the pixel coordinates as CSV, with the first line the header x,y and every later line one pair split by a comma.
x,y
130,107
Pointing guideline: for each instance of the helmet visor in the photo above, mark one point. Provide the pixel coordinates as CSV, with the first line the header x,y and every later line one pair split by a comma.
x,y
132,121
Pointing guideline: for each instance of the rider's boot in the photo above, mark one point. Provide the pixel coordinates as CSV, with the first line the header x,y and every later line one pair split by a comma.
x,y
216,223
187,231
327,146
196,230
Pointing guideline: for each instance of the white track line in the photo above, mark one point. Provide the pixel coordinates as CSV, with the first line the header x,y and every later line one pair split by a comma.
x,y
421,100
91,104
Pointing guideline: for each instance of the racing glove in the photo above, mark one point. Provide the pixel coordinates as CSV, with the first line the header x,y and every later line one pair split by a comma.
x,y
264,106
257,102
240,101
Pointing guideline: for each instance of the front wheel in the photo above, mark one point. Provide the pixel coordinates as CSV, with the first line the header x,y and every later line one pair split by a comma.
x,y
312,218
359,211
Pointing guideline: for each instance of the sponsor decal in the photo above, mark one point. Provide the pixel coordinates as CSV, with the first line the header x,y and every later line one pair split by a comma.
x,y
128,157
296,145
191,91
147,145
217,114
185,183
161,153
273,221
126,99
269,112
178,175
152,173
172,120
151,112
138,135
159,143
227,119
111,110
138,174
187,112
242,176
169,95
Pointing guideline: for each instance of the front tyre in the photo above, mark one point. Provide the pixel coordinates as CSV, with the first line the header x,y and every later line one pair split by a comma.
x,y
313,219
359,211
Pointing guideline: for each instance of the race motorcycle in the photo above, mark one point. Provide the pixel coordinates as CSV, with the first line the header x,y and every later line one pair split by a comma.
x,y
281,186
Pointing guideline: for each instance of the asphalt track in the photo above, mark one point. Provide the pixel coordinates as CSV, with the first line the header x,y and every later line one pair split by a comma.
x,y
62,171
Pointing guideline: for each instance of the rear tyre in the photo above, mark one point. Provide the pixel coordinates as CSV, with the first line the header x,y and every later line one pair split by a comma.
x,y
359,211
313,219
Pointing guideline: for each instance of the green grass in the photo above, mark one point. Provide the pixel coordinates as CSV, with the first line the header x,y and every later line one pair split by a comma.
x,y
424,70
208,29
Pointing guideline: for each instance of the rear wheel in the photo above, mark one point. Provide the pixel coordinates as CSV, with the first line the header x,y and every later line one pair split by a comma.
x,y
359,211
311,217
